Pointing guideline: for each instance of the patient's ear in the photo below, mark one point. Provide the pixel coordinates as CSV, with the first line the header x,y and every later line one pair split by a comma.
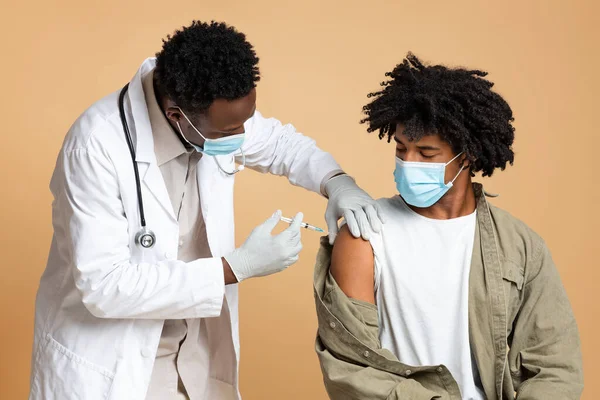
x,y
352,266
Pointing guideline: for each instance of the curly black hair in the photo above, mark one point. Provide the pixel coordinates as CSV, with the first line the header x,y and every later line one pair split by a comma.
x,y
204,62
457,104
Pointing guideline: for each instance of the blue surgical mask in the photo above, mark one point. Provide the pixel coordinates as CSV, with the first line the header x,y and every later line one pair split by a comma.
x,y
214,147
421,184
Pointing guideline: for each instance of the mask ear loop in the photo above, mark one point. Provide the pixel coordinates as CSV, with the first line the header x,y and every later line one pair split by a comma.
x,y
455,157
182,135
190,122
459,171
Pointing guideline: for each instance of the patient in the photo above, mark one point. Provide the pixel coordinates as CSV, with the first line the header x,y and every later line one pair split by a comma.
x,y
455,299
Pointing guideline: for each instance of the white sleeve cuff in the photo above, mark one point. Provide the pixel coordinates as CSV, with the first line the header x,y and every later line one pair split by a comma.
x,y
327,177
210,290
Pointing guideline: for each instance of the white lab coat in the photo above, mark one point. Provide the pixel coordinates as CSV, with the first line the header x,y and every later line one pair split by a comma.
x,y
102,300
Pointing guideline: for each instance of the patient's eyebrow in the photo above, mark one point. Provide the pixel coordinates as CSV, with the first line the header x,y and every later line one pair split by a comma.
x,y
428,147
420,147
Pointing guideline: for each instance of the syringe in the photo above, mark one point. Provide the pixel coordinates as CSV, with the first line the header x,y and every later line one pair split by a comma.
x,y
303,224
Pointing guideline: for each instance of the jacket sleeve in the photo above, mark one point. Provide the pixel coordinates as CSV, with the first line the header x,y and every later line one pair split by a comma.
x,y
90,220
545,351
345,379
280,150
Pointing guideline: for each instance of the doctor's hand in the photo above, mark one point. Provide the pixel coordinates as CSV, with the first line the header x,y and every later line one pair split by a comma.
x,y
264,254
346,199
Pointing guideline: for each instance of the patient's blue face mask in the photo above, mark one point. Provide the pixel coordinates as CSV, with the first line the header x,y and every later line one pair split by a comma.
x,y
215,147
421,184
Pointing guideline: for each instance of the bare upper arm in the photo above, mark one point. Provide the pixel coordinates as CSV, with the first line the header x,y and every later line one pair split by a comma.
x,y
352,266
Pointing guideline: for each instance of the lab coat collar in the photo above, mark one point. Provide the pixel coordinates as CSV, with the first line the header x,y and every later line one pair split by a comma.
x,y
144,143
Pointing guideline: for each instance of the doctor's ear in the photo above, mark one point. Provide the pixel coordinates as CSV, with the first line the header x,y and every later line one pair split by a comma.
x,y
173,114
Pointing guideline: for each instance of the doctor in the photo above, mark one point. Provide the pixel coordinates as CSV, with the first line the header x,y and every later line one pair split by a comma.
x,y
139,297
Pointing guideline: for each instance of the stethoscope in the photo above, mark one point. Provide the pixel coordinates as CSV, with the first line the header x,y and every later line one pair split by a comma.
x,y
145,237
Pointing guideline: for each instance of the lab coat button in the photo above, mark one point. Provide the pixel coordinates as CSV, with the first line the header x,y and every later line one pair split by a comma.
x,y
168,255
146,352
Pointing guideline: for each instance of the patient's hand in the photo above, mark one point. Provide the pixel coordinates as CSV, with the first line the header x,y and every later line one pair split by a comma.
x,y
352,266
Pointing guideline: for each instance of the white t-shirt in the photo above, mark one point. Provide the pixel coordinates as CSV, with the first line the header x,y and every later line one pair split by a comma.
x,y
422,270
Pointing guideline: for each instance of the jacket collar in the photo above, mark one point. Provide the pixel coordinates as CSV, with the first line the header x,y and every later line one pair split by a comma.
x,y
487,302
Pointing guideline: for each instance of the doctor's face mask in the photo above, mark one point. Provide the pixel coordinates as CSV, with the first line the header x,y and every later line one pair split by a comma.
x,y
214,147
220,129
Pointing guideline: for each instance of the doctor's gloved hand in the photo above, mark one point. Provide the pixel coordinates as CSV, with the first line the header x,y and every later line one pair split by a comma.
x,y
264,254
362,214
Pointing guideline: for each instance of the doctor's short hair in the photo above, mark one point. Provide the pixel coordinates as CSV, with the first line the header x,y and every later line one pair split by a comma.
x,y
204,62
457,104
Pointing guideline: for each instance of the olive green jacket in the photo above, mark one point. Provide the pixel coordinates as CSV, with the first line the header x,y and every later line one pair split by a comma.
x,y
523,335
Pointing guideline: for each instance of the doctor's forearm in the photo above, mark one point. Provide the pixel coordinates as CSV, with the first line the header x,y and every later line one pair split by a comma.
x,y
228,273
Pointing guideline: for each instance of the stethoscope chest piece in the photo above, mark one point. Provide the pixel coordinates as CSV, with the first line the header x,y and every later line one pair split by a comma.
x,y
145,238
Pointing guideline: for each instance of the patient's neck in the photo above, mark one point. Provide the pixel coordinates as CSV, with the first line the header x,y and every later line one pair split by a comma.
x,y
458,202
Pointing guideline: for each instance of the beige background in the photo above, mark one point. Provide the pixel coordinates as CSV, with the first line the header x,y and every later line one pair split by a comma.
x,y
318,59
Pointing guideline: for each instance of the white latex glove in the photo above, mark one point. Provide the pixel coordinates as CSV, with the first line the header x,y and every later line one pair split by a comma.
x,y
264,254
362,214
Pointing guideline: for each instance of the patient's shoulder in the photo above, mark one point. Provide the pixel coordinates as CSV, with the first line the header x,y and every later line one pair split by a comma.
x,y
352,266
